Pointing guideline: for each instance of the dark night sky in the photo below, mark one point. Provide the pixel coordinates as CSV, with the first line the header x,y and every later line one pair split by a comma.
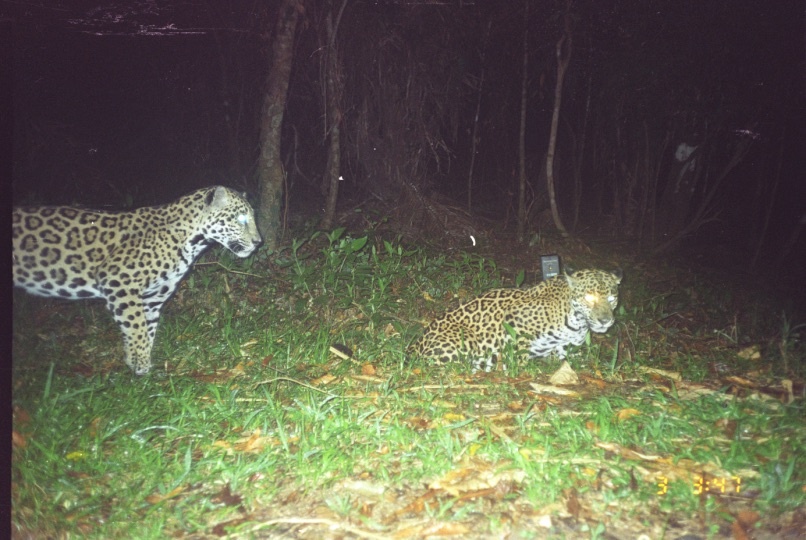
x,y
130,104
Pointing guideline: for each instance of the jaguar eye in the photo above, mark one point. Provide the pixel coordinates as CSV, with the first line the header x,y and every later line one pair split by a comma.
x,y
611,298
243,219
590,298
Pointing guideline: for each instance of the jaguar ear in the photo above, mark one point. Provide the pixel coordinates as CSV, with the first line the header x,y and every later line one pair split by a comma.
x,y
618,273
217,198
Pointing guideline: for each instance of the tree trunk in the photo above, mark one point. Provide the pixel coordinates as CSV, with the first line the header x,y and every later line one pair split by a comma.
x,y
334,87
769,207
679,194
797,231
579,157
270,172
562,64
703,211
521,233
475,140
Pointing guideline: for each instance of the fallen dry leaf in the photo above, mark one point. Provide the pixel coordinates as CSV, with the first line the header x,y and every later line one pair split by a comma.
x,y
222,444
251,444
417,422
155,498
752,352
227,497
323,380
217,377
21,416
741,381
432,530
368,370
516,406
93,427
673,375
254,443
625,452
370,490
238,370
624,414
786,384
451,528
17,440
417,506
742,528
544,389
572,504
444,403
595,381
476,475
565,375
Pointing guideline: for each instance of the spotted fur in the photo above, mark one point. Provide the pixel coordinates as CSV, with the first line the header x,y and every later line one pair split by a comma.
x,y
133,260
545,318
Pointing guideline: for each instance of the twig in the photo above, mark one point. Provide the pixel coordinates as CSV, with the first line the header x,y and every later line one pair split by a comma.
x,y
656,321
310,521
230,270
295,381
444,387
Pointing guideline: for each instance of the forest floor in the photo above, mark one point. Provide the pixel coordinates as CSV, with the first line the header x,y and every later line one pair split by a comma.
x,y
686,419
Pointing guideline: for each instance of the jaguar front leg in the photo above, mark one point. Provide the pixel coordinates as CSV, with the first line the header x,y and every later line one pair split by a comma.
x,y
154,298
137,341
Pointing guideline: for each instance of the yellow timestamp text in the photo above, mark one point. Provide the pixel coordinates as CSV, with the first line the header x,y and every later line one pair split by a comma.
x,y
706,484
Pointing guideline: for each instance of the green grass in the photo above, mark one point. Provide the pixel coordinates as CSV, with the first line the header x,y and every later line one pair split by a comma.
x,y
256,428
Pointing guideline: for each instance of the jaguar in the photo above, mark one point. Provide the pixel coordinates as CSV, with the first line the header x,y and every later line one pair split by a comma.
x,y
543,319
134,260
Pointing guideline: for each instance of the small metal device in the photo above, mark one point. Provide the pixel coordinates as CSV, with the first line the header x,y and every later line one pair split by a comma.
x,y
550,264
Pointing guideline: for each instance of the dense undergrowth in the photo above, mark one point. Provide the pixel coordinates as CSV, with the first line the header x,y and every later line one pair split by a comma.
x,y
688,417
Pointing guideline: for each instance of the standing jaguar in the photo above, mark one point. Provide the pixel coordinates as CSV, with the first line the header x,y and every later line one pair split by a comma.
x,y
545,318
133,260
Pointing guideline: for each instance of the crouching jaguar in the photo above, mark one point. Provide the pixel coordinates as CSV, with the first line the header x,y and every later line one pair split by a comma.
x,y
133,260
545,318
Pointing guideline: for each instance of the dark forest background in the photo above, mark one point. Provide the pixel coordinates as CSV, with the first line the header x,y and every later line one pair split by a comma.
x,y
125,104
